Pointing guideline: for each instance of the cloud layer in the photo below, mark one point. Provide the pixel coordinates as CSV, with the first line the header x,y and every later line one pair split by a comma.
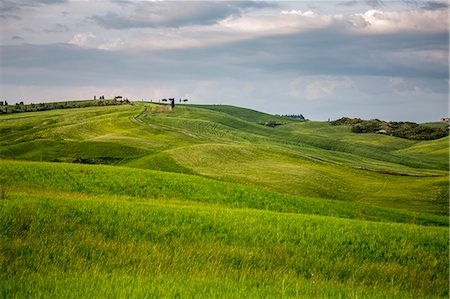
x,y
168,13
323,59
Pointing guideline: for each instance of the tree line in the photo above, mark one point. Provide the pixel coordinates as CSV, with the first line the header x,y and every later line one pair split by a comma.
x,y
407,130
295,116
21,107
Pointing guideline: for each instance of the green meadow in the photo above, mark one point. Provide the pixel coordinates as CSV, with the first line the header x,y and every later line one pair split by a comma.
x,y
207,201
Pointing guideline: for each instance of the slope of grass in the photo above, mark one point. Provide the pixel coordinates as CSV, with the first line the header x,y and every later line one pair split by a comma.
x,y
56,246
228,143
296,175
435,148
144,185
245,114
205,201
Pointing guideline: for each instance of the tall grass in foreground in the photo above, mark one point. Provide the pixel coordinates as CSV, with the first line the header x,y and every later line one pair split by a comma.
x,y
61,247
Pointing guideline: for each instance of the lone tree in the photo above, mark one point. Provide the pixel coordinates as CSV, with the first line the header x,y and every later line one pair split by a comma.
x,y
172,103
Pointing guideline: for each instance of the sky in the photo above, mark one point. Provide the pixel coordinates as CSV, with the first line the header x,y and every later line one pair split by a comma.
x,y
323,59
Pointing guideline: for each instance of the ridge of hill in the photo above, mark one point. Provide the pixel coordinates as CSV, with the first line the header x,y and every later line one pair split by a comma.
x,y
311,159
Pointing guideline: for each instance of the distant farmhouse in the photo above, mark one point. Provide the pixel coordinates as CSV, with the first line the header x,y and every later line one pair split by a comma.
x,y
445,120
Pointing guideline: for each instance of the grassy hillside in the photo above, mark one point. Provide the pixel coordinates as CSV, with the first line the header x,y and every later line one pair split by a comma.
x,y
144,185
205,200
71,246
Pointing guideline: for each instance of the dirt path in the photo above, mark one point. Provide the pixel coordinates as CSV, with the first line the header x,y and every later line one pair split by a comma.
x,y
385,183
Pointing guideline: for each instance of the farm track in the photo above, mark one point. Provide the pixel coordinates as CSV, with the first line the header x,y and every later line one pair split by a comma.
x,y
395,172
137,120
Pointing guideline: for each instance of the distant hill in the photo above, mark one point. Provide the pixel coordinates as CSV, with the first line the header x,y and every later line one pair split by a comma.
x,y
407,130
227,143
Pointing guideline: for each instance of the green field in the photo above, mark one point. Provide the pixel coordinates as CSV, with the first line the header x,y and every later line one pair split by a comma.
x,y
206,201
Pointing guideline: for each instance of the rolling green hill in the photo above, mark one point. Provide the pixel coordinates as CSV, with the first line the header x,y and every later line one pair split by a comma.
x,y
205,200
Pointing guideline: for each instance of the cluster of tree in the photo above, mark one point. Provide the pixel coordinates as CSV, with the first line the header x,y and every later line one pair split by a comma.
x,y
21,107
272,124
295,116
407,130
81,160
172,100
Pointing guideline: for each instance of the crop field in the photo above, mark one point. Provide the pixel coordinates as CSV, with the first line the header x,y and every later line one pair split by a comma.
x,y
138,200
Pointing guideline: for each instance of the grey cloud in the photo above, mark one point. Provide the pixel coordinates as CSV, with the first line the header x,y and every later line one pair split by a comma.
x,y
40,2
374,3
426,5
176,14
266,64
14,5
48,1
434,5
16,37
57,28
329,52
6,16
256,73
371,3
8,7
123,2
9,10
69,64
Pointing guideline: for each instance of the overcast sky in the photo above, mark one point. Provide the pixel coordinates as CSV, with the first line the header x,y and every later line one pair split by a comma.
x,y
324,59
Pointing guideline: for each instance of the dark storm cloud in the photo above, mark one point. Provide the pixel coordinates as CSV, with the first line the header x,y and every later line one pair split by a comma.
x,y
175,14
